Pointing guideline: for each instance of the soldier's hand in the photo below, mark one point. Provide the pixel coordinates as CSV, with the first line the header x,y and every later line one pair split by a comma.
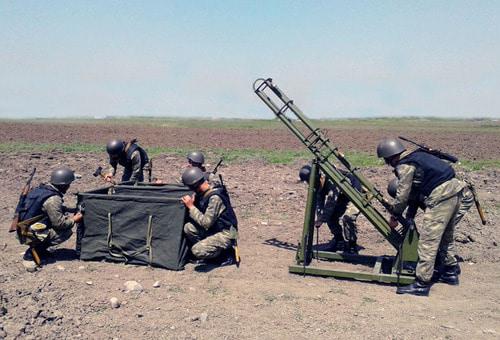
x,y
108,178
188,201
393,222
77,217
159,181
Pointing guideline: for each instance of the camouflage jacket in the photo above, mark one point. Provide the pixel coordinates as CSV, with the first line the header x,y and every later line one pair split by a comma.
x,y
407,180
56,212
136,165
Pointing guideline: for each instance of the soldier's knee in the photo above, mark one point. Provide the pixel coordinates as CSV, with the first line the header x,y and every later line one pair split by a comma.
x,y
200,251
189,228
58,237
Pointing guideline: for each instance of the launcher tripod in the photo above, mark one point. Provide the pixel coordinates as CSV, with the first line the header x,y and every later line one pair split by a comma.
x,y
387,269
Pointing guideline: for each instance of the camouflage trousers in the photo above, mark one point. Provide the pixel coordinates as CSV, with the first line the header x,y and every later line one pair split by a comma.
x,y
49,237
466,200
205,245
349,215
437,234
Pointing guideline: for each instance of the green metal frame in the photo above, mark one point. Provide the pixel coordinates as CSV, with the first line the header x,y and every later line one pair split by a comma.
x,y
403,239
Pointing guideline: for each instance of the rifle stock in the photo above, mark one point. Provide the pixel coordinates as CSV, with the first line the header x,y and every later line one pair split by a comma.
x,y
14,223
437,153
477,202
22,197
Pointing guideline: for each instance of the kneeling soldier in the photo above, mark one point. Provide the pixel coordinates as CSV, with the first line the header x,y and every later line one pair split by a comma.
x,y
196,159
54,226
212,228
331,205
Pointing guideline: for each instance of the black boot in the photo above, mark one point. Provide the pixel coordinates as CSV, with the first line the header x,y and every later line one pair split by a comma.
x,y
419,288
351,248
227,258
336,244
450,275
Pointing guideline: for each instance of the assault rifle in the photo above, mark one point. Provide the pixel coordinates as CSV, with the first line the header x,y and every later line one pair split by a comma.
x,y
236,249
452,159
20,203
435,152
214,171
476,201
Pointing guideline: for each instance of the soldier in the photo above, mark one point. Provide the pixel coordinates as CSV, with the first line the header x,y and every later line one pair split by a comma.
x,y
431,182
131,156
331,205
466,201
196,159
213,226
55,226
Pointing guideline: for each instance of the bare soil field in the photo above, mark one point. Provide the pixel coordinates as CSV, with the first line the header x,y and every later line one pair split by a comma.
x,y
473,144
68,298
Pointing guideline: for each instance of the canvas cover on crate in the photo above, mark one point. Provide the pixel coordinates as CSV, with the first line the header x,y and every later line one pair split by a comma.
x,y
137,224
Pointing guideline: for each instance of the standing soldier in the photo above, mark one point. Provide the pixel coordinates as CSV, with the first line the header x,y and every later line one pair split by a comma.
x,y
431,182
331,205
196,159
213,227
54,225
131,156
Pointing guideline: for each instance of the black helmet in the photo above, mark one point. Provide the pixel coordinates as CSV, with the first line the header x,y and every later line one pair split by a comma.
x,y
392,187
62,176
196,157
389,147
305,173
193,177
115,147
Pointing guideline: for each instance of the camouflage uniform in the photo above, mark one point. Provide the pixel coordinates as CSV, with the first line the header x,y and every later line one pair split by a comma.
x,y
60,223
208,241
135,173
441,215
55,226
331,206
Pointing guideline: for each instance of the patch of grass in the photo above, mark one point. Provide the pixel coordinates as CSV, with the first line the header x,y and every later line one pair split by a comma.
x,y
270,298
368,300
216,290
358,159
176,289
338,291
480,164
391,123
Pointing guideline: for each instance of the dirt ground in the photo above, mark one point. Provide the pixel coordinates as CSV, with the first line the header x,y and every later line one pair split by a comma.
x,y
260,300
473,145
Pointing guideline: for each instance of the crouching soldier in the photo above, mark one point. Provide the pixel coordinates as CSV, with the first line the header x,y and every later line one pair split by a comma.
x,y
213,227
45,204
331,205
196,159
131,156
431,182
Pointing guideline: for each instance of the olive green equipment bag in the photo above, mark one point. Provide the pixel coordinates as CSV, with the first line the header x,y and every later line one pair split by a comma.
x,y
137,224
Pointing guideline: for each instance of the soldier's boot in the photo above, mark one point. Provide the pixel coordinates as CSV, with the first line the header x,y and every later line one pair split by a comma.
x,y
450,275
227,257
439,271
419,288
351,248
337,243
29,261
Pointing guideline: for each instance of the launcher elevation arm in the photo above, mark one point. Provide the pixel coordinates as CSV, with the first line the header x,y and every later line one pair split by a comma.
x,y
325,153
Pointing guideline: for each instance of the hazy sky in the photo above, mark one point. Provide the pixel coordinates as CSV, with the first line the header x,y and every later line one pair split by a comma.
x,y
199,58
